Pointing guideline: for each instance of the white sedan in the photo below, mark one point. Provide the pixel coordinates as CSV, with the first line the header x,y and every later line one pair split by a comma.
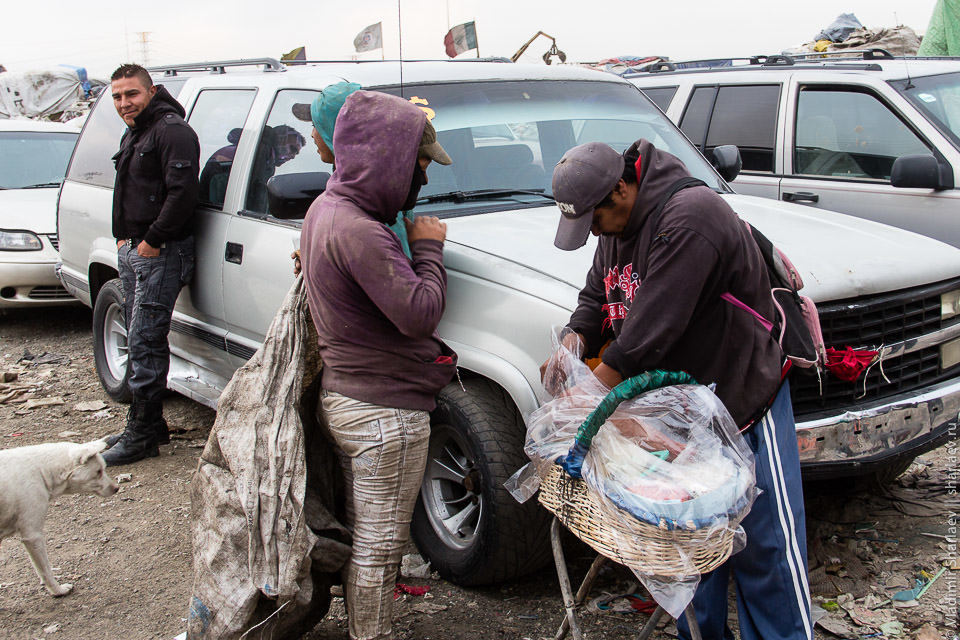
x,y
33,161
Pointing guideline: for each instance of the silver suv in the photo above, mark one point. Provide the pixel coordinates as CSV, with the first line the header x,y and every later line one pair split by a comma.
x,y
505,125
874,136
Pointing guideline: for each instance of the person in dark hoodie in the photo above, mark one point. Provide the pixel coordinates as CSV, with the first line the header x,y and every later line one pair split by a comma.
x,y
654,297
155,194
376,313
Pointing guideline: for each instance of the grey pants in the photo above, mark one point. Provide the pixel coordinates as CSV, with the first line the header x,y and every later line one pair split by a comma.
x,y
383,452
150,290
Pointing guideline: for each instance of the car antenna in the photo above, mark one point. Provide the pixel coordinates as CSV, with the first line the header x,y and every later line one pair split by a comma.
x,y
400,38
903,46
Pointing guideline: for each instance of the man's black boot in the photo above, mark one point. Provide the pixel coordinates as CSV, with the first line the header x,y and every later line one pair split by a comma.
x,y
115,438
159,425
138,440
153,416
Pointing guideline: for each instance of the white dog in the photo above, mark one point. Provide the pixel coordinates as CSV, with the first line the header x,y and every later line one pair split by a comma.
x,y
30,477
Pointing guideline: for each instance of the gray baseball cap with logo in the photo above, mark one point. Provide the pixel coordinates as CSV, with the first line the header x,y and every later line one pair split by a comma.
x,y
584,176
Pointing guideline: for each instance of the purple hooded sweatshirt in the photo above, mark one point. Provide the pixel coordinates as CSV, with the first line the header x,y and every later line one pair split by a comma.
x,y
376,311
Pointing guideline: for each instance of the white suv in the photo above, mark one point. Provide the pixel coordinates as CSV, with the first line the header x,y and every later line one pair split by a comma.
x,y
505,125
874,136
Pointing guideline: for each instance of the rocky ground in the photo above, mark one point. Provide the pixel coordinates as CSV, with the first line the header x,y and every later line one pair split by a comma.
x,y
128,556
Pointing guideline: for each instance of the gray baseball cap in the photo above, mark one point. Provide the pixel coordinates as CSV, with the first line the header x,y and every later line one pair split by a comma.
x,y
584,176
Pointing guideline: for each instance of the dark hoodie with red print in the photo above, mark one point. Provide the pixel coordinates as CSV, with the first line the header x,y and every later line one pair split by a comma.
x,y
376,311
656,292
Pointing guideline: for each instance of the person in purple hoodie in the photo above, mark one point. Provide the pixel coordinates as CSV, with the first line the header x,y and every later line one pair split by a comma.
x,y
376,313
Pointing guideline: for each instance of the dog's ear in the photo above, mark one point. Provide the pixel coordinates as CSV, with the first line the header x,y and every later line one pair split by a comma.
x,y
92,448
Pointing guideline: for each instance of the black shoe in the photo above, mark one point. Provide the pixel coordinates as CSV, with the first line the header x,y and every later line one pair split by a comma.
x,y
153,417
131,412
138,440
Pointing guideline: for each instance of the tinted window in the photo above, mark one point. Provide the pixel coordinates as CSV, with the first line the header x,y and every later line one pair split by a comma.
x,y
285,147
661,96
849,134
697,115
92,160
218,117
938,97
34,158
747,117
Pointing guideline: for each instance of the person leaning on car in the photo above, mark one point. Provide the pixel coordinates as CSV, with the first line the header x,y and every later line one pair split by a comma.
x,y
154,198
376,312
655,297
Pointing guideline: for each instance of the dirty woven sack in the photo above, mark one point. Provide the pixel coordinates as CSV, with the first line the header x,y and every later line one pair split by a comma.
x,y
266,547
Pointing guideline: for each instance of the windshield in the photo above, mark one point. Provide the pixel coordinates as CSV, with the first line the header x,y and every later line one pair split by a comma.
x,y
34,158
506,136
938,98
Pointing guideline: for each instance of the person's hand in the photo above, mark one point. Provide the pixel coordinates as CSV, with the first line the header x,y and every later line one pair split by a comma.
x,y
296,262
574,343
425,228
609,376
120,243
146,251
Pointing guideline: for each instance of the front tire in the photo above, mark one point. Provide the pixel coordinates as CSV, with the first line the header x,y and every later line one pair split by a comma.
x,y
110,352
465,523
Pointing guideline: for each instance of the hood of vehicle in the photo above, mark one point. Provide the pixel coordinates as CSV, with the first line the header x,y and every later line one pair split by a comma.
x,y
839,256
31,209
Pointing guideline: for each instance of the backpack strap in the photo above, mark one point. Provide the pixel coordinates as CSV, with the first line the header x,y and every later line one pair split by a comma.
x,y
682,183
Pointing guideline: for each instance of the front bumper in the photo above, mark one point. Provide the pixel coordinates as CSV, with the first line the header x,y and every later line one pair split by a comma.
x,y
859,442
29,279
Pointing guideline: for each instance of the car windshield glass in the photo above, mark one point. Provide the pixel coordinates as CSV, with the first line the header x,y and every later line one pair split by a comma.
x,y
938,97
505,137
31,158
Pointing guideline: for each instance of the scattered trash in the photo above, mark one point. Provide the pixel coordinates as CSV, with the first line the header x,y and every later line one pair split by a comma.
x,y
428,608
400,588
14,394
37,403
892,628
414,566
830,605
124,477
53,628
927,632
100,415
43,358
69,434
9,376
622,603
839,626
90,405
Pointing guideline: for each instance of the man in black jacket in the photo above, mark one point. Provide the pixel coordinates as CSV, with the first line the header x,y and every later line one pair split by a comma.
x,y
154,197
687,290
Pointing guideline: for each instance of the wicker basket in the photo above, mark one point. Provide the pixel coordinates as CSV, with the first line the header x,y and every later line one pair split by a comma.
x,y
641,546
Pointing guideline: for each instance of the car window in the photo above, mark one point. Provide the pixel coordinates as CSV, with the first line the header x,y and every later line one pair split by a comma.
x,y
285,148
938,98
92,161
746,115
696,116
218,117
661,96
34,158
849,134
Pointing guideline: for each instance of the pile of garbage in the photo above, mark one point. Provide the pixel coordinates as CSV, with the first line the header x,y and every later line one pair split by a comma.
x,y
846,33
59,93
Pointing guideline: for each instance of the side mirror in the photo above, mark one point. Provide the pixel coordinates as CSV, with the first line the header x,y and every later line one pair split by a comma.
x,y
726,159
291,194
921,172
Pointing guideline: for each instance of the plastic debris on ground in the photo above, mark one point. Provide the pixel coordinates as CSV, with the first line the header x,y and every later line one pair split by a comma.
x,y
670,459
400,589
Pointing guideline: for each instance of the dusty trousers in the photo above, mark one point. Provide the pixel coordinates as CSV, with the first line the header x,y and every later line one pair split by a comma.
x,y
383,452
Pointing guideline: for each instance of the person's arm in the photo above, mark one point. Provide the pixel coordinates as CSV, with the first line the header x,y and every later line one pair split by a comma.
x,y
412,295
179,161
677,270
587,318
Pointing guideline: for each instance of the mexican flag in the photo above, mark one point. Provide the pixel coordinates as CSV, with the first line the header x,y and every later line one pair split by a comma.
x,y
460,38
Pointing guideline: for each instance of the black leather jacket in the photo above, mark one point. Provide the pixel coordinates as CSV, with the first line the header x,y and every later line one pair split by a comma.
x,y
156,188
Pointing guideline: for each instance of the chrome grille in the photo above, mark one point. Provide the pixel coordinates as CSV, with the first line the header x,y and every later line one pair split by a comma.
x,y
49,293
870,322
54,241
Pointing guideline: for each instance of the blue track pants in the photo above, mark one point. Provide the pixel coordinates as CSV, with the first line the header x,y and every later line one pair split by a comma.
x,y
773,597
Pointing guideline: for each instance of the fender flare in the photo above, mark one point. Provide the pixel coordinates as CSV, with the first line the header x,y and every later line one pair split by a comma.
x,y
498,370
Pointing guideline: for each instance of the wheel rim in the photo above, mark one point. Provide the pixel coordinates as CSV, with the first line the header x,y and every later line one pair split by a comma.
x,y
452,490
115,342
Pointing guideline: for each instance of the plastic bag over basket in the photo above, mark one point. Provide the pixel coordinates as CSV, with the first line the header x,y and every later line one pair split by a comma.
x,y
667,478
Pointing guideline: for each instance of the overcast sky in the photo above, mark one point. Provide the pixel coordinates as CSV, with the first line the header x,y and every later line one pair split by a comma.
x,y
100,34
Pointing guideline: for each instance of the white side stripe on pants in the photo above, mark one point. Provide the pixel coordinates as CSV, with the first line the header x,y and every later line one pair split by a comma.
x,y
784,511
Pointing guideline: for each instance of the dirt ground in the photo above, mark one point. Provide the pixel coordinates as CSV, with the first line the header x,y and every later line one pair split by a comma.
x,y
128,556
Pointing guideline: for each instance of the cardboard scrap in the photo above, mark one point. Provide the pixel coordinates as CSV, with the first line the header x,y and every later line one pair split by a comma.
x,y
37,403
927,632
90,405
838,626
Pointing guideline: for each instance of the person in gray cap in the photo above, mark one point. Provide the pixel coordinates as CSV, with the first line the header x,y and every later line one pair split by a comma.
x,y
673,273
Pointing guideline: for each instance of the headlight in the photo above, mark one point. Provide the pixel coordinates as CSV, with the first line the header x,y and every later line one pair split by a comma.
x,y
949,304
19,241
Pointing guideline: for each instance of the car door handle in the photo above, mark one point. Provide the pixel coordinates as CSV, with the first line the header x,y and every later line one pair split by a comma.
x,y
234,253
800,196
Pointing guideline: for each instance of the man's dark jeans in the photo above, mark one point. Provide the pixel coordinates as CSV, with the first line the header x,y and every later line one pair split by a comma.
x,y
150,290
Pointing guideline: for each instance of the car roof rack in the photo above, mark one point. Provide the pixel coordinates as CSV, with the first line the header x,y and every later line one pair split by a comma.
x,y
766,61
220,66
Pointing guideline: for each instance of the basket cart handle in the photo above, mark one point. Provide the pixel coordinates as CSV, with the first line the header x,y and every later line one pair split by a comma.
x,y
630,388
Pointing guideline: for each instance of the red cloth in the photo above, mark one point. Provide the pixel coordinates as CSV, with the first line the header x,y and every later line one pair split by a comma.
x,y
401,589
849,363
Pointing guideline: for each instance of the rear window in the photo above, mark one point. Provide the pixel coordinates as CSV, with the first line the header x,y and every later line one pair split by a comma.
x,y
661,96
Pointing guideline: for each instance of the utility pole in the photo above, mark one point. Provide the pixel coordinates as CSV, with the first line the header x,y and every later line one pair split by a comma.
x,y
144,47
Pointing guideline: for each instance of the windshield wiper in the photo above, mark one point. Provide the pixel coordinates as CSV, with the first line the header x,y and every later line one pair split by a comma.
x,y
482,194
41,185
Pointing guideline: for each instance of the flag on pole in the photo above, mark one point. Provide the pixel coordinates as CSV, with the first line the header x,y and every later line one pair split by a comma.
x,y
369,39
460,38
300,53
